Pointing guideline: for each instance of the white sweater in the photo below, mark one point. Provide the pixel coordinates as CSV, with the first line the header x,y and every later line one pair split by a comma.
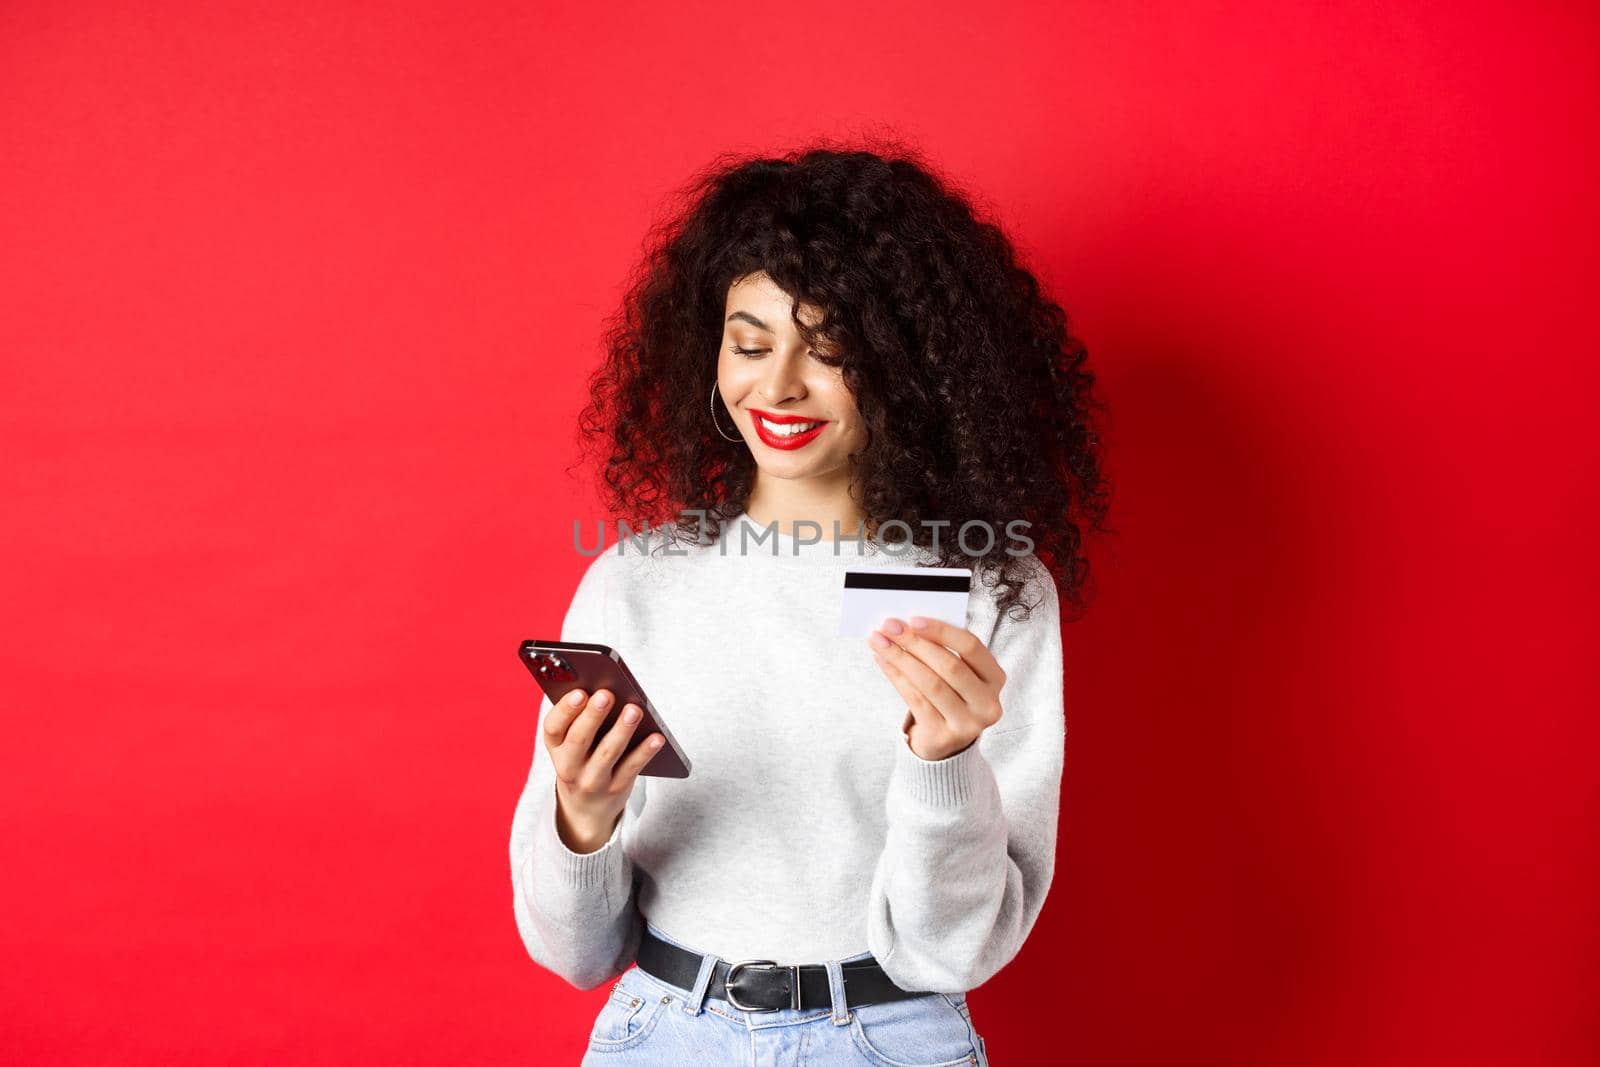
x,y
808,830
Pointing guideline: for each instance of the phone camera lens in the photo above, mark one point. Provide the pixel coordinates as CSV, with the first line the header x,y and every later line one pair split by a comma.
x,y
553,667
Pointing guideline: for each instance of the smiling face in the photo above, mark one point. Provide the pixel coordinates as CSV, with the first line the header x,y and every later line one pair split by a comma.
x,y
790,401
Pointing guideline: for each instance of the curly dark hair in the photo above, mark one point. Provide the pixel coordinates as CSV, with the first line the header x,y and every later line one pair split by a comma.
x,y
975,395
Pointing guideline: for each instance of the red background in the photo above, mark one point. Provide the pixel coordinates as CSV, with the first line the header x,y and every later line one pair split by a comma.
x,y
297,304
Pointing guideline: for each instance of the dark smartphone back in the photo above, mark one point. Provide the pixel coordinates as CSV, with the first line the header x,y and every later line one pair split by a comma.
x,y
562,666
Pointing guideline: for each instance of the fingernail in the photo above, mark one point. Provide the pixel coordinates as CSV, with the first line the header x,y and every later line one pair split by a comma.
x,y
892,626
630,713
918,622
602,700
655,742
575,697
877,640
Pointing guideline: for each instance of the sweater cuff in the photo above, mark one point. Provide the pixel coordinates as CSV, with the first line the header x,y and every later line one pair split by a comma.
x,y
580,870
949,782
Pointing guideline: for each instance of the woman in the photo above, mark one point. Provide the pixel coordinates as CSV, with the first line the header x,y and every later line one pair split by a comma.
x,y
820,348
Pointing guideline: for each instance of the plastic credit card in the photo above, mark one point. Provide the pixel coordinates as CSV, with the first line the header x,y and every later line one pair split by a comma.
x,y
872,594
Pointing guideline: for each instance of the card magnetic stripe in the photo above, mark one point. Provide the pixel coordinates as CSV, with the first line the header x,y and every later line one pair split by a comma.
x,y
933,583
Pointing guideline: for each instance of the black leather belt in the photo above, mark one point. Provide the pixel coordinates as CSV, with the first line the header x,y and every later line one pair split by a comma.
x,y
762,985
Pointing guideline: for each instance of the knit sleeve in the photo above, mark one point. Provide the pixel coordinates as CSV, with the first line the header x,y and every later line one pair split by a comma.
x,y
575,911
970,847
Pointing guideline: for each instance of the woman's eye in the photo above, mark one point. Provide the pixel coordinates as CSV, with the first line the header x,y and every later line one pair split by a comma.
x,y
827,359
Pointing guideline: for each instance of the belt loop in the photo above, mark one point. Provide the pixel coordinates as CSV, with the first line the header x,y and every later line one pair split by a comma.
x,y
841,1009
702,982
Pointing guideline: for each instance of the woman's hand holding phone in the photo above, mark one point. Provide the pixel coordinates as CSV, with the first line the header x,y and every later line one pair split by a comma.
x,y
592,787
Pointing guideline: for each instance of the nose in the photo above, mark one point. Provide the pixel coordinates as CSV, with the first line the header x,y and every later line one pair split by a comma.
x,y
781,379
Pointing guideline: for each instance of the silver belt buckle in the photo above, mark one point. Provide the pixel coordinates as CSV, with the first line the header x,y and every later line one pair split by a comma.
x,y
733,969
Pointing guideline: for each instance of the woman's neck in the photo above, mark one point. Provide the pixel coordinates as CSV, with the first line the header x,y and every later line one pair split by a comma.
x,y
783,504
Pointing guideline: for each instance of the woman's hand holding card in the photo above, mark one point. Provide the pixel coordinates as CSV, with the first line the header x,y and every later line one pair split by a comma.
x,y
950,681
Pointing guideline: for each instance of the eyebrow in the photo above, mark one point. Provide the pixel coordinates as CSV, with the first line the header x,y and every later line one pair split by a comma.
x,y
751,319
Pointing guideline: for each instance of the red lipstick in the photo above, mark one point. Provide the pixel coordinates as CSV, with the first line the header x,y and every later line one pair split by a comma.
x,y
791,442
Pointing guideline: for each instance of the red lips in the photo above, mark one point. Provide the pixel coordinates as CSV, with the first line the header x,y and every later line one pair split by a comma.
x,y
791,442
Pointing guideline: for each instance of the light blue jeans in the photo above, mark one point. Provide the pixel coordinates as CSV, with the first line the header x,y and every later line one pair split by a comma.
x,y
646,1022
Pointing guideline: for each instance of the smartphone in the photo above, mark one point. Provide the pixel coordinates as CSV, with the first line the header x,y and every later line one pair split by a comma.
x,y
562,666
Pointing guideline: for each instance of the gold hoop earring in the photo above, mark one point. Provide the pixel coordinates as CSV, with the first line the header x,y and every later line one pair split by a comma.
x,y
714,421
